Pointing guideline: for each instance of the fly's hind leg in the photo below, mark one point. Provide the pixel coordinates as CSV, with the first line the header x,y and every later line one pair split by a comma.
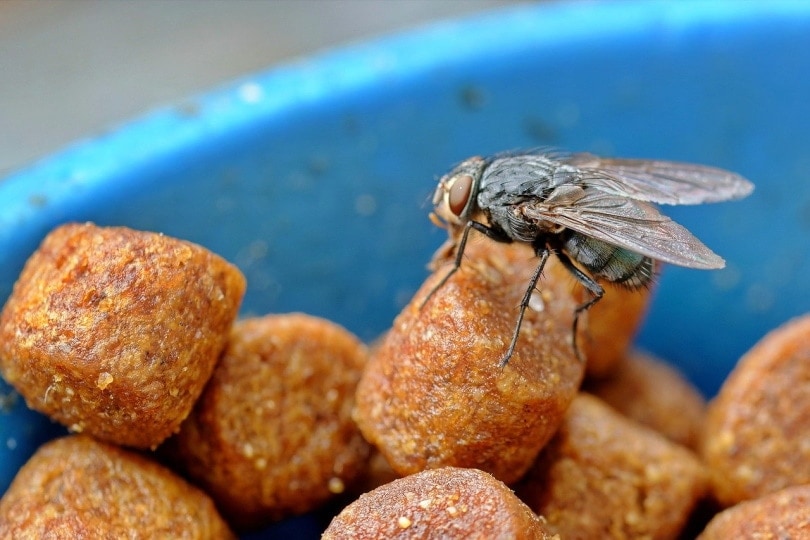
x,y
593,287
494,234
524,303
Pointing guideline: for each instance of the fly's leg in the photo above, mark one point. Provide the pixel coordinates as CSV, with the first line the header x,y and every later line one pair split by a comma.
x,y
589,283
494,234
527,296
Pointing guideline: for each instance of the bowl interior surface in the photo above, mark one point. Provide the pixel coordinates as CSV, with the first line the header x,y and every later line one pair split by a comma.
x,y
315,178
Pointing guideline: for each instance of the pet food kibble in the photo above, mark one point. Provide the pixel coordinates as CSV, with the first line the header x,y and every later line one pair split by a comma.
x,y
604,476
442,503
272,434
612,324
77,487
114,332
783,514
653,393
756,437
434,393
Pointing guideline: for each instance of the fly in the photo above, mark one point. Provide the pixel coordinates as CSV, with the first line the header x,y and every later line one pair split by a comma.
x,y
594,214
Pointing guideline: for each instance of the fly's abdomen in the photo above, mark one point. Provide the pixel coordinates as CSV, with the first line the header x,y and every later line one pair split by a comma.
x,y
609,262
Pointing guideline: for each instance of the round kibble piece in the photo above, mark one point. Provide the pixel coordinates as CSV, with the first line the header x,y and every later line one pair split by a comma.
x,y
653,393
756,432
77,487
272,434
434,393
604,476
114,332
781,514
442,503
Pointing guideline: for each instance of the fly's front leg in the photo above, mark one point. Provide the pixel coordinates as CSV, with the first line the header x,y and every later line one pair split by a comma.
x,y
589,283
494,234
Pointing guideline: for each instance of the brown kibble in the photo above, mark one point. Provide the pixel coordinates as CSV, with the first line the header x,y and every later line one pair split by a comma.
x,y
77,487
272,434
756,432
434,394
104,323
612,325
781,514
604,476
653,393
441,503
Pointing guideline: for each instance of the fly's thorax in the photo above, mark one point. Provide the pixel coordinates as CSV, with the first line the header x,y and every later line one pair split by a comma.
x,y
512,180
565,175
612,263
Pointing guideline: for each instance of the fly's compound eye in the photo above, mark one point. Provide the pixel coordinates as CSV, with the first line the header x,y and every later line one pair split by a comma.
x,y
459,193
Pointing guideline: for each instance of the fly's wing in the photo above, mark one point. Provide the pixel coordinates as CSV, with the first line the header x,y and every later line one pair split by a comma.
x,y
625,223
665,182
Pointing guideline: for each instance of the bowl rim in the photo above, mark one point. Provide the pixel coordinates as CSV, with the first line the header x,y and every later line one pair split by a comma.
x,y
75,172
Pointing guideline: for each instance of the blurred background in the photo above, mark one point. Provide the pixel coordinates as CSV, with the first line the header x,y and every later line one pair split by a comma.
x,y
72,69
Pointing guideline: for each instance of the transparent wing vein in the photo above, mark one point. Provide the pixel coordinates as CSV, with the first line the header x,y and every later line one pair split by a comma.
x,y
629,224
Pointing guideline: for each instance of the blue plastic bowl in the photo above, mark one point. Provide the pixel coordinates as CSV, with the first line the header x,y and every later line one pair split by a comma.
x,y
314,178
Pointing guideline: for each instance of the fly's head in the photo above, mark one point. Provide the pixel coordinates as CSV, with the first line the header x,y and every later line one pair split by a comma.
x,y
454,201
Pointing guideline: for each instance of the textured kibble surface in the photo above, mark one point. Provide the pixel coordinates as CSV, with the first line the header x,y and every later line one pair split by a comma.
x,y
604,476
441,503
653,393
272,434
784,514
77,487
434,394
114,332
756,434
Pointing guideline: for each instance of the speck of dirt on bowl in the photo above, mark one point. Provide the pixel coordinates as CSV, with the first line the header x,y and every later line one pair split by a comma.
x,y
7,401
38,200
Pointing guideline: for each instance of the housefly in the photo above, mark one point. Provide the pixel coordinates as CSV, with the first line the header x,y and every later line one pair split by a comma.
x,y
594,214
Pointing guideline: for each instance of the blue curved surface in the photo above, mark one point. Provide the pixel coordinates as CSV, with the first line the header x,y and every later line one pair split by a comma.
x,y
314,177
